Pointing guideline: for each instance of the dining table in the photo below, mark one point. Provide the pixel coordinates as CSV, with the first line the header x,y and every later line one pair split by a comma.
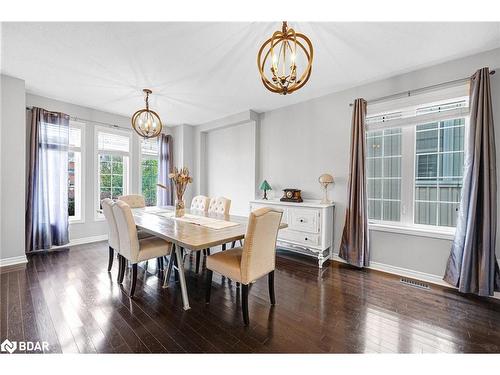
x,y
194,231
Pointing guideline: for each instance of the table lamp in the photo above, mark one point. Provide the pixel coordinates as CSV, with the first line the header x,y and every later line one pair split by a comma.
x,y
265,186
325,180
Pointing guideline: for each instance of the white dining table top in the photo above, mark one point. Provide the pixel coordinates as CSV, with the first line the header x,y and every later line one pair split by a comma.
x,y
189,235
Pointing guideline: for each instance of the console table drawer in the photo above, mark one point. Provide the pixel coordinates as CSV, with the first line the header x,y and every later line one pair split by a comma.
x,y
299,237
303,219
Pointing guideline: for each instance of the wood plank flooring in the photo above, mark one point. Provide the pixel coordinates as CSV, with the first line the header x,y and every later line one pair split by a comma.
x,y
68,299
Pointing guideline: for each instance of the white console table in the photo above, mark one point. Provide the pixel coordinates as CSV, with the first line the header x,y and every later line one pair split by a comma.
x,y
310,227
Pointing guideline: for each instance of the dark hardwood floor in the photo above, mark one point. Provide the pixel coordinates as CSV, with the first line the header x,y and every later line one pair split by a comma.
x,y
68,299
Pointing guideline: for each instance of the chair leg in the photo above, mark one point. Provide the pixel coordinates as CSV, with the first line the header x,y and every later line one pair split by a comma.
x,y
223,247
208,286
159,264
124,268
134,279
244,303
121,272
270,279
110,261
120,268
233,244
169,270
208,251
198,257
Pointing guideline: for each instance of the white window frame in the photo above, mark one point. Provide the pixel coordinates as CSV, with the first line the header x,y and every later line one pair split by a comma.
x,y
408,164
79,175
98,216
141,158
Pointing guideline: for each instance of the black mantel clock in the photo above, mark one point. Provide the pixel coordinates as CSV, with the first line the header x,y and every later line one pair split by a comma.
x,y
291,195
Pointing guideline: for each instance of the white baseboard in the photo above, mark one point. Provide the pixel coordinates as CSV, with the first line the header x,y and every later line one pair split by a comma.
x,y
83,240
13,261
400,271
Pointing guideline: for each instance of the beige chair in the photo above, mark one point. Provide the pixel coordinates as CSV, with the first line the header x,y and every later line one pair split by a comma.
x,y
138,201
252,261
114,245
219,206
133,200
133,249
200,203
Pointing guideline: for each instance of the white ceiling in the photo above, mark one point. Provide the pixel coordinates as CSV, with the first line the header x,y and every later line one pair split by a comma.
x,y
203,71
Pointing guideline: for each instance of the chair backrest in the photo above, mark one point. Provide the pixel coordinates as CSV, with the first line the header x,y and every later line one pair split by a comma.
x,y
107,209
259,249
133,200
200,203
127,231
220,206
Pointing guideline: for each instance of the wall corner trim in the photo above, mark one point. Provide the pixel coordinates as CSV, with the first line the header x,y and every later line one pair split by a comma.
x,y
13,261
83,240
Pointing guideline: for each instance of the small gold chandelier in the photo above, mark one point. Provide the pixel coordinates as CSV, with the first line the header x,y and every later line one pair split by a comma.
x,y
146,122
285,78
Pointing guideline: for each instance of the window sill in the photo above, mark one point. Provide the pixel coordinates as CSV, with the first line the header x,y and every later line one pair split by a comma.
x,y
414,231
76,221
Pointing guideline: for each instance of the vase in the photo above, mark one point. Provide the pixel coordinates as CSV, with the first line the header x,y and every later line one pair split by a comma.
x,y
179,208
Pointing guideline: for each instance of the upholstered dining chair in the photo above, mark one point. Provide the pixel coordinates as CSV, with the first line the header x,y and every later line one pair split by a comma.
x,y
252,261
131,247
133,200
113,243
138,201
219,206
200,203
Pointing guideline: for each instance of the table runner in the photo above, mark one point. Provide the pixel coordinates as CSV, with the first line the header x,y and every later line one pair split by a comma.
x,y
207,222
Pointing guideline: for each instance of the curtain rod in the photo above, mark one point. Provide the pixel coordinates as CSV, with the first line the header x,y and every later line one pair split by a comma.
x,y
410,92
74,118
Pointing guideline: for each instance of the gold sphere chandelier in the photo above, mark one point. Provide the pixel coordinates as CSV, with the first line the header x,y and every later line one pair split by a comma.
x,y
146,122
281,49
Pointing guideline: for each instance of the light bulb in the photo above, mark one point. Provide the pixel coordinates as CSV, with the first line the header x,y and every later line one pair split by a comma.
x,y
275,61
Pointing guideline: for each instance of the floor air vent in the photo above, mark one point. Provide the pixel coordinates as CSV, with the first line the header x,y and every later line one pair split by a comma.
x,y
414,283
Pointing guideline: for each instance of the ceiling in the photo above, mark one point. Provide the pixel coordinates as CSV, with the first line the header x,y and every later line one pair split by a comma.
x,y
200,72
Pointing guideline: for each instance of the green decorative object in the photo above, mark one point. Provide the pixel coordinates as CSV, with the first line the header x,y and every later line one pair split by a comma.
x,y
265,186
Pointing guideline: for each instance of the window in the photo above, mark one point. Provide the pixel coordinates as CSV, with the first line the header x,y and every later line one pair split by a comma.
x,y
414,163
384,174
113,152
439,163
76,136
149,170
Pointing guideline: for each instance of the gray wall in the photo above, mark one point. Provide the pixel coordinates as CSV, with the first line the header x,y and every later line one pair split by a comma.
x,y
12,161
300,142
229,166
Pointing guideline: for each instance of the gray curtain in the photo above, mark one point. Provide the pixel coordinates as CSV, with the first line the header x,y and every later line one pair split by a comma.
x,y
354,246
472,265
165,196
47,180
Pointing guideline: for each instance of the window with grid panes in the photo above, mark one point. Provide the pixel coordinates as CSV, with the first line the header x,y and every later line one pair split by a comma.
x,y
415,161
